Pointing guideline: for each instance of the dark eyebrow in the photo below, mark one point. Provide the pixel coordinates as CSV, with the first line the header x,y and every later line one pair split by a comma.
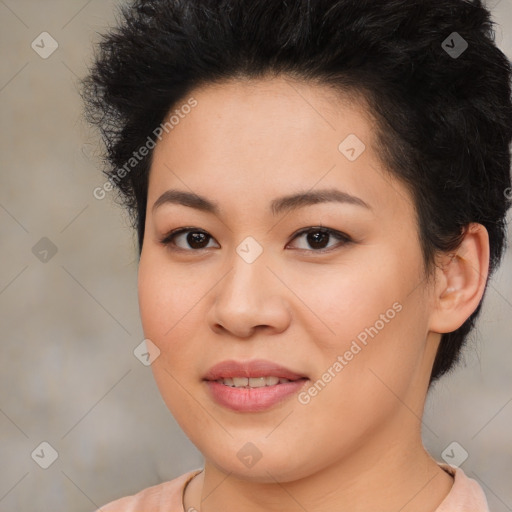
x,y
301,199
278,205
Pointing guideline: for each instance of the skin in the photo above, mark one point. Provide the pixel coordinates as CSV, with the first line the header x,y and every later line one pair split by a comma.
x,y
356,446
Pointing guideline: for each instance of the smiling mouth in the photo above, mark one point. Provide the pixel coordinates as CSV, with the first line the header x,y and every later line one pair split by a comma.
x,y
252,386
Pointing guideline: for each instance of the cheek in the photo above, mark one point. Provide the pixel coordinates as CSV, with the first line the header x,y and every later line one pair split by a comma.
x,y
170,312
375,360
168,318
372,334
167,297
347,302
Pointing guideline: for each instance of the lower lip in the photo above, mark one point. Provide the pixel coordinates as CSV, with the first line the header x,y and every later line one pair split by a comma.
x,y
253,399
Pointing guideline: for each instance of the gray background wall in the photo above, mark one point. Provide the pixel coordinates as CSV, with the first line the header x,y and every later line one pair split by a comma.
x,y
69,320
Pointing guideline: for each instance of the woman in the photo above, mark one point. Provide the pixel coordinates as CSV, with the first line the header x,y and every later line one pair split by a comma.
x,y
319,191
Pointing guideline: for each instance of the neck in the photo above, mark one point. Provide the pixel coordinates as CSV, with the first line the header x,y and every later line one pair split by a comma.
x,y
400,475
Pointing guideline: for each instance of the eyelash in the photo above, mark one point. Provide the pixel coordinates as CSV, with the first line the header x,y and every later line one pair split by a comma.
x,y
167,240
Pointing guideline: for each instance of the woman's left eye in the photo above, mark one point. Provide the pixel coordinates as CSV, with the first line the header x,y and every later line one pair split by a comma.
x,y
197,239
318,236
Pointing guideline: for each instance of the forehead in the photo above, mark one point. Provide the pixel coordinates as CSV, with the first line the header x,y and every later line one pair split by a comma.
x,y
267,136
274,105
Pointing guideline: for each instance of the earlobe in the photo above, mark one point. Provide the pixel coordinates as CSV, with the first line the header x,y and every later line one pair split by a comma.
x,y
460,281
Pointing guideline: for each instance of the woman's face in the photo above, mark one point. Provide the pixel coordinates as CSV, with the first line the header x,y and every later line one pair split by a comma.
x,y
247,294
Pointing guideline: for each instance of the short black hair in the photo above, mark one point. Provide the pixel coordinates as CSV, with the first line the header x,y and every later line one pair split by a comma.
x,y
430,71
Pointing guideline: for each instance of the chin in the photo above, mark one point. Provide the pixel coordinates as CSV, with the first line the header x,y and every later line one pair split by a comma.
x,y
257,463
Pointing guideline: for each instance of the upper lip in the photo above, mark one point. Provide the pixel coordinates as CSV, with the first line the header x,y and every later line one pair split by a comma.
x,y
252,368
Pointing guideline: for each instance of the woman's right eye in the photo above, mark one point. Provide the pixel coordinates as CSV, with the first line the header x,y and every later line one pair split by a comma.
x,y
195,238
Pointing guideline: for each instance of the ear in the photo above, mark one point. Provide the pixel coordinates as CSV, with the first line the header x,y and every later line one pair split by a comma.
x,y
460,281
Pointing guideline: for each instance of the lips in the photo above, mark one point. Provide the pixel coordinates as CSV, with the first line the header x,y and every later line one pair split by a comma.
x,y
252,386
250,369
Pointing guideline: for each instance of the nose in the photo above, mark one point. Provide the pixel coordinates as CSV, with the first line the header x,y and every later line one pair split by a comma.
x,y
249,298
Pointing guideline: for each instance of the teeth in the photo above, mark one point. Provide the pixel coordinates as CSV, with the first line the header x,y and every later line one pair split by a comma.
x,y
253,382
257,382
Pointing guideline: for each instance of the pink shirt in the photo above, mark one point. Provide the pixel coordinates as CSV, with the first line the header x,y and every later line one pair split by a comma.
x,y
466,495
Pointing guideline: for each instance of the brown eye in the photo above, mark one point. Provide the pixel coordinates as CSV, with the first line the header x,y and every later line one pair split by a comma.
x,y
194,239
319,238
